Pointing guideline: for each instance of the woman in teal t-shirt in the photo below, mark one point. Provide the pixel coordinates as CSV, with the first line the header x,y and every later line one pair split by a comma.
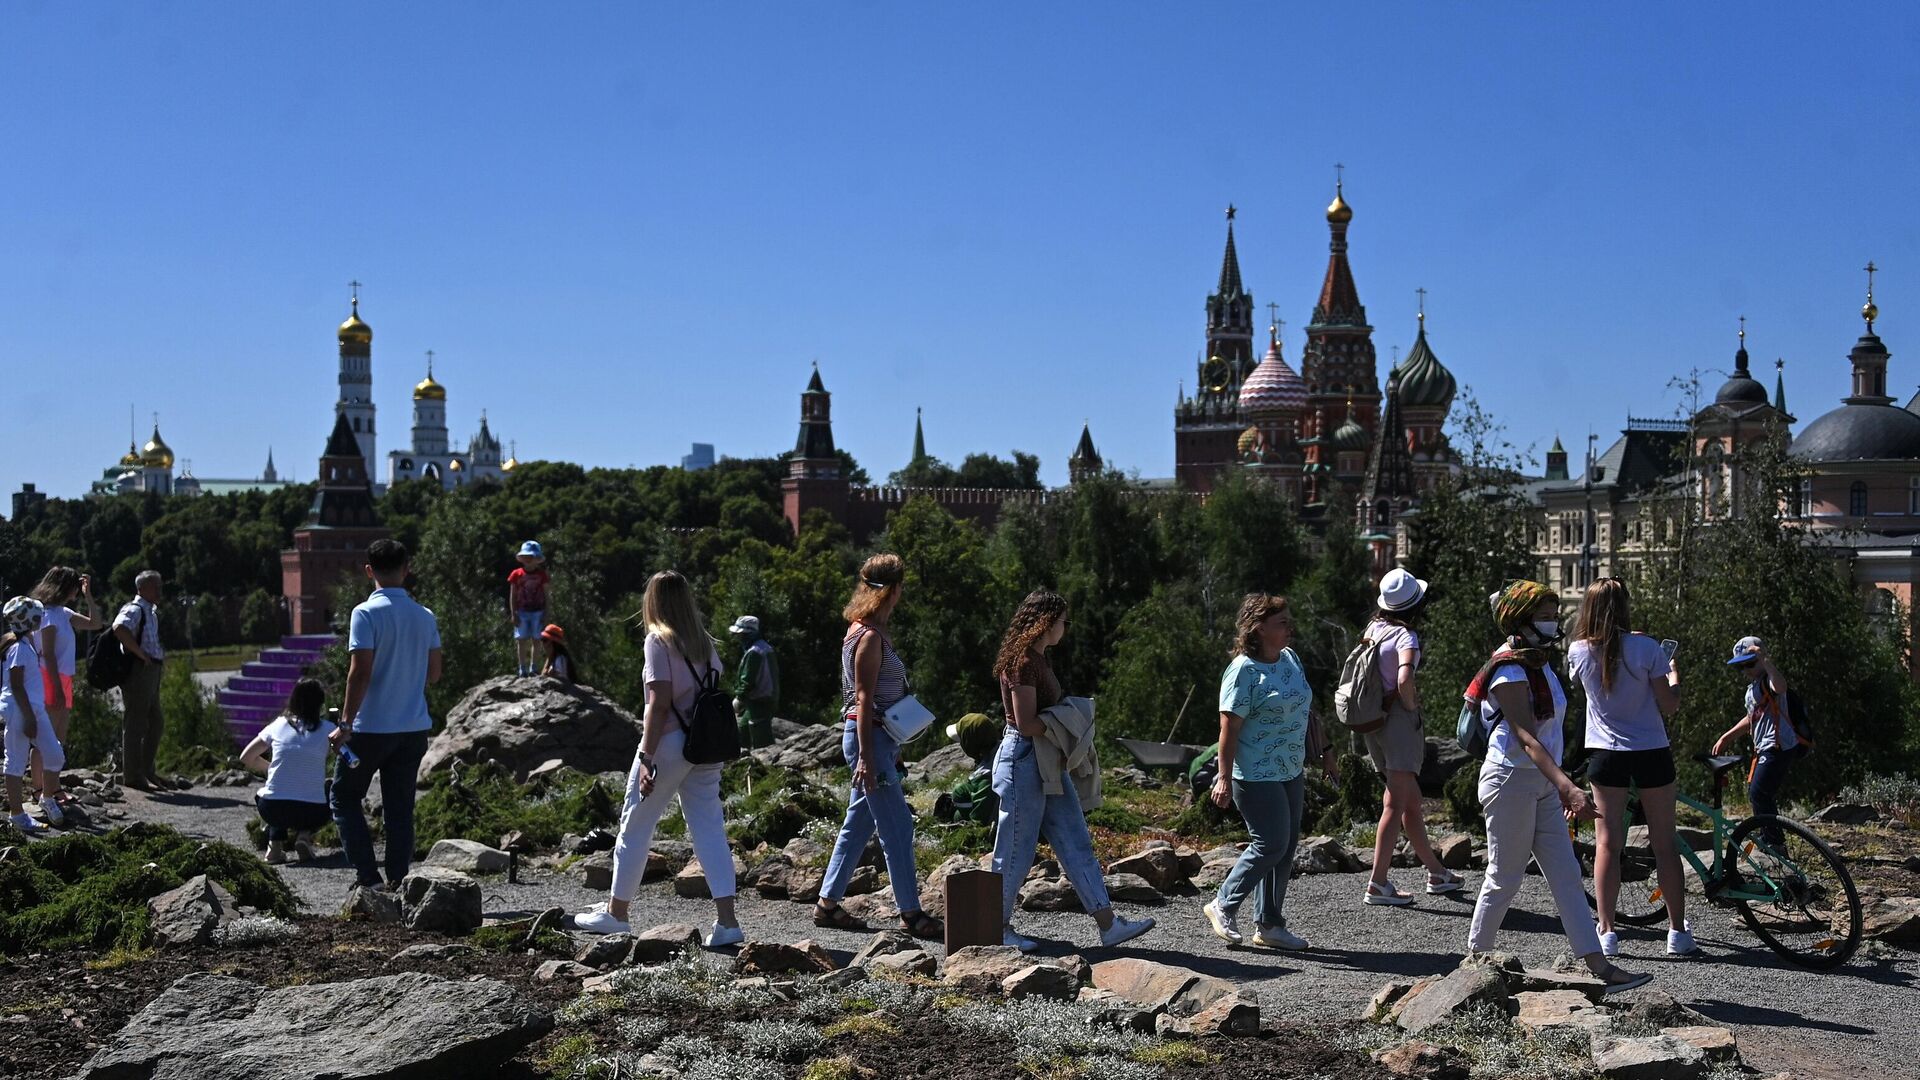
x,y
1264,704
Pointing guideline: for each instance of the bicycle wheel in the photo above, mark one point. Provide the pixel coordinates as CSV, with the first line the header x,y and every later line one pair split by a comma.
x,y
1814,916
1639,902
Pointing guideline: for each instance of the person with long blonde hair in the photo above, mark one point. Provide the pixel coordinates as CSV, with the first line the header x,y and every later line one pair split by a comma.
x,y
1631,687
872,680
680,655
1028,688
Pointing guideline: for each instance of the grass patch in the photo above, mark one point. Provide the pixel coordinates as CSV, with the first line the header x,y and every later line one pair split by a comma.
x,y
482,802
568,1056
510,937
780,806
1174,1055
120,956
833,1068
865,1023
87,891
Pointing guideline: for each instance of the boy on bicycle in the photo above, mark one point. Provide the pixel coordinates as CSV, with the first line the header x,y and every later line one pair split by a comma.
x,y
1774,743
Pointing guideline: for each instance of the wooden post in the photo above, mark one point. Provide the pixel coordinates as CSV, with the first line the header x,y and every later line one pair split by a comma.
x,y
974,913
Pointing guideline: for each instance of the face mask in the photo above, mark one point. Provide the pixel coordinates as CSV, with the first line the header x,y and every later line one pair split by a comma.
x,y
1547,631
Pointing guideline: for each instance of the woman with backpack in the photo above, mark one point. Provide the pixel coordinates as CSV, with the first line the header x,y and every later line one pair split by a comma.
x,y
1265,705
1028,690
1632,687
873,680
1525,796
1398,746
291,752
681,662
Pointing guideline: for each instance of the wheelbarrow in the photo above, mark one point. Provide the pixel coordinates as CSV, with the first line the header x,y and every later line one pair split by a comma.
x,y
1164,755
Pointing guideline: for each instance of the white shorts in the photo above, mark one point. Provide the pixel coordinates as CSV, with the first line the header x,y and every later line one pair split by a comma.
x,y
17,745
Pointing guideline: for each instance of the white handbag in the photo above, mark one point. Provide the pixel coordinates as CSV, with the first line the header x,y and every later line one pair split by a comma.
x,y
907,720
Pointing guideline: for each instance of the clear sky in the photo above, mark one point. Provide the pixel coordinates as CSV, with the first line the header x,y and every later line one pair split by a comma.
x,y
624,228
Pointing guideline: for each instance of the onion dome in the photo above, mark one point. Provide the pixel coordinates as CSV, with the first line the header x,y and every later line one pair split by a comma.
x,y
1338,212
353,331
132,456
1249,441
158,455
1741,388
455,465
1274,386
428,390
1860,433
1425,383
513,459
1351,436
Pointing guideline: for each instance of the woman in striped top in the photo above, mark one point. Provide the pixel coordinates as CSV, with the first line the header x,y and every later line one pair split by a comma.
x,y
873,680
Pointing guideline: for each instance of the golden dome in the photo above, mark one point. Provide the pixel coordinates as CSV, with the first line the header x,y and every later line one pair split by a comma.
x,y
428,390
1338,212
156,454
1869,311
132,456
455,465
510,464
1249,441
355,331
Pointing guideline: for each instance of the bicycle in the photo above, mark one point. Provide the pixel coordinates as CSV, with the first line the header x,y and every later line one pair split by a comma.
x,y
1786,882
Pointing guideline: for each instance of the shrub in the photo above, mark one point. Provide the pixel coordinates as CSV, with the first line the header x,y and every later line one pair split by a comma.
x,y
195,738
482,802
1463,801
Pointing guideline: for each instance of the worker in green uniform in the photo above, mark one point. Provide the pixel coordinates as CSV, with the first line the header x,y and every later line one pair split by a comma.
x,y
756,684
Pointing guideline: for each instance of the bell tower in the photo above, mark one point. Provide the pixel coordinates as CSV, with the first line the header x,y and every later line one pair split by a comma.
x,y
356,380
1207,426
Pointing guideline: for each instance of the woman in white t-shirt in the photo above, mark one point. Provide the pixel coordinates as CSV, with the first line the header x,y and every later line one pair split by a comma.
x,y
23,708
1525,796
291,752
58,591
680,655
1399,745
1631,689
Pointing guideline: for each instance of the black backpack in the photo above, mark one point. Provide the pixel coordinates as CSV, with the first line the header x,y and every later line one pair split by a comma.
x,y
713,735
108,661
1801,720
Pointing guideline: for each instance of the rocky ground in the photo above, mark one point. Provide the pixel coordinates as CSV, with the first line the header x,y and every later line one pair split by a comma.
x,y
1853,1022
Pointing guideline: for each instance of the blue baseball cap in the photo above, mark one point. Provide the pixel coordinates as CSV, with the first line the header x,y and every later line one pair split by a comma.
x,y
1745,650
532,547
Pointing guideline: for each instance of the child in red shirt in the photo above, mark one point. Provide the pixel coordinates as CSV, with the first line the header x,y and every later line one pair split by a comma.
x,y
527,604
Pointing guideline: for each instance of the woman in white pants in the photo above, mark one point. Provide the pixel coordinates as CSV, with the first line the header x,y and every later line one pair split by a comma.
x,y
679,655
1527,800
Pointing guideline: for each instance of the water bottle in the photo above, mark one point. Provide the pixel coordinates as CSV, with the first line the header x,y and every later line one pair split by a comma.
x,y
348,758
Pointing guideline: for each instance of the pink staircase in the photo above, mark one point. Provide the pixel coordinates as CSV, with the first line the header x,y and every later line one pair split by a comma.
x,y
254,697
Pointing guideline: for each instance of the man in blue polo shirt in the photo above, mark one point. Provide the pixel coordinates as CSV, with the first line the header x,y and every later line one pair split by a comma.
x,y
393,649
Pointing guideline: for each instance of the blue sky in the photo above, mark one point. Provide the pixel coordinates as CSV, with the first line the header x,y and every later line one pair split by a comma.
x,y
626,228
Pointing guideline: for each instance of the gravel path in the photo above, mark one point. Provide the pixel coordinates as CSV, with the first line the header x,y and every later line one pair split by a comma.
x,y
1857,1022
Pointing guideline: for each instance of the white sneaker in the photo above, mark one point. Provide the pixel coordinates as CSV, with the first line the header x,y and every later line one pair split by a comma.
x,y
26,824
50,808
1223,923
1277,937
1610,944
276,853
597,920
1680,942
1017,941
1124,930
720,936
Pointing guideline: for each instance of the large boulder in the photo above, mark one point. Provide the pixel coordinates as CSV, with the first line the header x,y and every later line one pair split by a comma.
x,y
1442,759
941,764
1161,867
983,969
1133,889
1895,920
524,723
1468,985
409,1026
811,746
664,942
1041,980
1325,855
433,898
468,857
774,958
191,913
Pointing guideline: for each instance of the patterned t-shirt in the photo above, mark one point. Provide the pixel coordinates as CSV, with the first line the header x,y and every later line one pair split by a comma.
x,y
533,588
1272,700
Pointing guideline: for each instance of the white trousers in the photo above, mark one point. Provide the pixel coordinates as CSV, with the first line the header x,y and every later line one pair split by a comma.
x,y
1525,821
698,787
17,745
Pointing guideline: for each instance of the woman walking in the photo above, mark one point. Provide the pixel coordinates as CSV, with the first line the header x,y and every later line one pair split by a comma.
x,y
680,656
1399,746
873,680
1264,703
292,754
57,592
1524,795
1028,689
1632,687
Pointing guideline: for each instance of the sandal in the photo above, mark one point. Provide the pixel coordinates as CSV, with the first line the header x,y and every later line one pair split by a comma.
x,y
1620,981
1383,894
922,925
1449,882
836,918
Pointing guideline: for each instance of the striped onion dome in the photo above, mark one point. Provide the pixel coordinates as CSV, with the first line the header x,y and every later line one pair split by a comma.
x,y
1273,387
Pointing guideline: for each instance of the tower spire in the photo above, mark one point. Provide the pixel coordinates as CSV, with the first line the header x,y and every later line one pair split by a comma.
x,y
1740,357
1870,311
919,439
1780,386
1230,260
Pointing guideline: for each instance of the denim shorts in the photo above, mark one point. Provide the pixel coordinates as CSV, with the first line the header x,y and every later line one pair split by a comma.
x,y
528,624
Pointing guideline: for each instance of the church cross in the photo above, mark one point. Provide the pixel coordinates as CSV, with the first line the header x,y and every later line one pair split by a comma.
x,y
429,363
1422,294
1339,175
355,286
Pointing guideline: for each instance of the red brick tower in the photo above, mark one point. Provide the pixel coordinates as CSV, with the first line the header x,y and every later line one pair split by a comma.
x,y
333,542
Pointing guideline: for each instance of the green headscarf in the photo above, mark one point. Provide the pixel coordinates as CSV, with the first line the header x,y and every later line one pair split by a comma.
x,y
1513,606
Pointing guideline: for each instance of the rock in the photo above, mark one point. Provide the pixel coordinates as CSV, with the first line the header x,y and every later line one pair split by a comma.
x,y
773,958
1542,1009
952,864
1159,867
1042,981
882,944
468,857
813,746
1657,1009
659,943
427,950
444,900
1442,759
1049,894
879,907
407,1026
1324,855
1424,1061
1455,852
768,876
546,770
516,841
1233,1016
1466,986
942,764
191,913
981,969
803,851
845,977
373,905
1160,987
804,883
527,723
1661,1057
1537,980
1213,874
560,969
1112,1011
908,962
865,880
1842,813
605,951
1716,1042
1075,965
1895,920
1380,1007
596,872
1133,889
691,882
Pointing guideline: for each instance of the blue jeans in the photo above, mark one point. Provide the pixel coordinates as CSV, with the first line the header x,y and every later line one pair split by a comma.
x,y
1769,773
1027,811
396,757
884,809
1272,810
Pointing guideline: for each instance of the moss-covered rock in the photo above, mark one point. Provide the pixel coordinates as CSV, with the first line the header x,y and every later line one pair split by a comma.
x,y
483,803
